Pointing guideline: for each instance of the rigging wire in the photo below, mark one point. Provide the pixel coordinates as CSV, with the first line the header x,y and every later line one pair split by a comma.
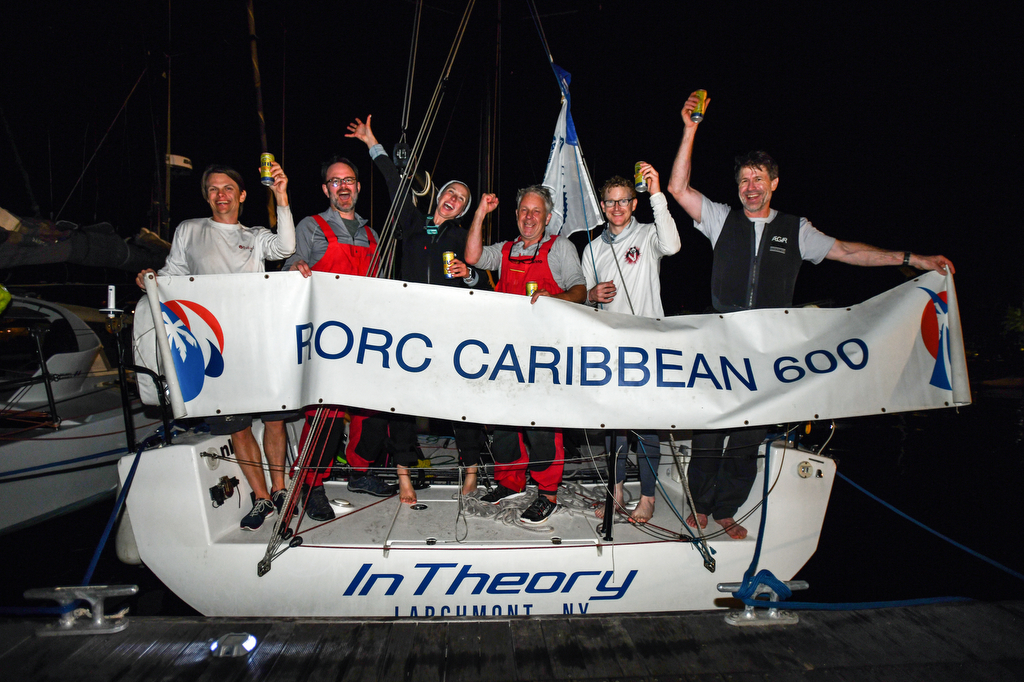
x,y
382,261
104,139
411,70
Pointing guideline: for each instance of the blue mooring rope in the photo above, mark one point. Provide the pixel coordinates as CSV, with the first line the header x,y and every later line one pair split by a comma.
x,y
1016,574
751,581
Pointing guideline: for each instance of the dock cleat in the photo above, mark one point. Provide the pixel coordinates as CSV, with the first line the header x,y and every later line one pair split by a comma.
x,y
540,510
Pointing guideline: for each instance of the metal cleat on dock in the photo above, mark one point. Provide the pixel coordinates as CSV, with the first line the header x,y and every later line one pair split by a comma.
x,y
752,616
97,623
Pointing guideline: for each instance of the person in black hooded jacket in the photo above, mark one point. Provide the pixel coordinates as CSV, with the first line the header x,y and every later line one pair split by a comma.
x,y
424,239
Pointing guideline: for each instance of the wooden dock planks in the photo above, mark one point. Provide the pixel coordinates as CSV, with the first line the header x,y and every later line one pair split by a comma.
x,y
963,641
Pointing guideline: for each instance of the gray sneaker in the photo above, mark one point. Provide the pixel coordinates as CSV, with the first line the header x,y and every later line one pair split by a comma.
x,y
371,485
261,509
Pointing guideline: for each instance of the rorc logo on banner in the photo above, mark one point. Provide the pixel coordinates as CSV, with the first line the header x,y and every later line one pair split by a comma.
x,y
935,334
197,344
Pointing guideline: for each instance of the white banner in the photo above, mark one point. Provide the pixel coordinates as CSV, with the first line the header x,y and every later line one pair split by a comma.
x,y
576,205
265,342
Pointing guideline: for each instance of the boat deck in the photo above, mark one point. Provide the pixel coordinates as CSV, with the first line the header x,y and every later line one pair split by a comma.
x,y
438,520
962,641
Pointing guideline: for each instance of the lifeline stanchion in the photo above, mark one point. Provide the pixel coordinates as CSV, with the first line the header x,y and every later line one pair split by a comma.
x,y
609,503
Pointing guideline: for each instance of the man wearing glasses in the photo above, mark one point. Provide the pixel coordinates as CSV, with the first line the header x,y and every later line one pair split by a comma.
x,y
339,241
623,267
552,264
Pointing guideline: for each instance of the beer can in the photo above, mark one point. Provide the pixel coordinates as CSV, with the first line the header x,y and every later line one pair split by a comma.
x,y
697,115
531,288
448,257
638,179
265,162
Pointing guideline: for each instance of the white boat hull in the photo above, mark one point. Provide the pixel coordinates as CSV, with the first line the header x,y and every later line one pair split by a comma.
x,y
376,561
57,471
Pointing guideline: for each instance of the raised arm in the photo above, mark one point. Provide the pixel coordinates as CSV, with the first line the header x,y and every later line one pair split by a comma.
x,y
362,131
679,182
855,253
668,236
284,245
410,219
475,238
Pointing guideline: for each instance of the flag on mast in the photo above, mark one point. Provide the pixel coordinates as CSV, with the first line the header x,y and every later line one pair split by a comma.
x,y
576,206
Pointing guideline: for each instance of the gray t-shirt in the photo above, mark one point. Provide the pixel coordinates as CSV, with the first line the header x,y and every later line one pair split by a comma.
x,y
814,245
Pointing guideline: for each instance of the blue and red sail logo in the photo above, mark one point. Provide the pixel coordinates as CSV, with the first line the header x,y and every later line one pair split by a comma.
x,y
197,344
935,334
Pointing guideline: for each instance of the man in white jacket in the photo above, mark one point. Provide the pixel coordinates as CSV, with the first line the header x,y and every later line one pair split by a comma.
x,y
623,267
219,245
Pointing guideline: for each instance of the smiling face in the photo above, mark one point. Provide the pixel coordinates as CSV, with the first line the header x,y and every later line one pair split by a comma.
x,y
618,215
451,202
755,189
342,189
224,197
532,217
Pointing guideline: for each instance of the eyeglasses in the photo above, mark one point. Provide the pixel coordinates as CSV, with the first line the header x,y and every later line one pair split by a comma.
x,y
610,203
335,183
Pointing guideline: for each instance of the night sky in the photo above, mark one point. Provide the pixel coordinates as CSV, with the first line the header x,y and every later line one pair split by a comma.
x,y
900,130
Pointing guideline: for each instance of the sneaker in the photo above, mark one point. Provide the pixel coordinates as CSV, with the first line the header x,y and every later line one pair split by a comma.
x,y
541,508
499,493
261,509
371,485
279,498
317,506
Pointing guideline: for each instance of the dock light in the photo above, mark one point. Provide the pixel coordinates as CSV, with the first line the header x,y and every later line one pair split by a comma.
x,y
232,645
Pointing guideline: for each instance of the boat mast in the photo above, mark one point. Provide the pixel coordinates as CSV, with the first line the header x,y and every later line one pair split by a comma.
x,y
165,217
271,212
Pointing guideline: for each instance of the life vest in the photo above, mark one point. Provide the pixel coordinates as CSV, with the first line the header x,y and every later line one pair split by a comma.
x,y
344,259
741,281
516,272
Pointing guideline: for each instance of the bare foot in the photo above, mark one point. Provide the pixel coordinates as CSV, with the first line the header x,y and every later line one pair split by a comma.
x,y
732,529
469,483
644,510
406,493
702,518
620,496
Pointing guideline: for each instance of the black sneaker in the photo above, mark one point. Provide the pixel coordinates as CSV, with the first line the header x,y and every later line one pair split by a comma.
x,y
371,485
317,506
499,493
261,509
278,499
541,508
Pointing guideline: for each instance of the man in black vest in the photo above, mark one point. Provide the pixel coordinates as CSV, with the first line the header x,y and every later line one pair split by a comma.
x,y
757,255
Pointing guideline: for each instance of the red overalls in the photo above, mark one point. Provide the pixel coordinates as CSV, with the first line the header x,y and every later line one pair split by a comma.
x,y
515,273
548,458
343,259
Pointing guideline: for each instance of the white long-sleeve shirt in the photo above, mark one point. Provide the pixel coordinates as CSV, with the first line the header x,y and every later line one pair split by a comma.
x,y
638,249
205,247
